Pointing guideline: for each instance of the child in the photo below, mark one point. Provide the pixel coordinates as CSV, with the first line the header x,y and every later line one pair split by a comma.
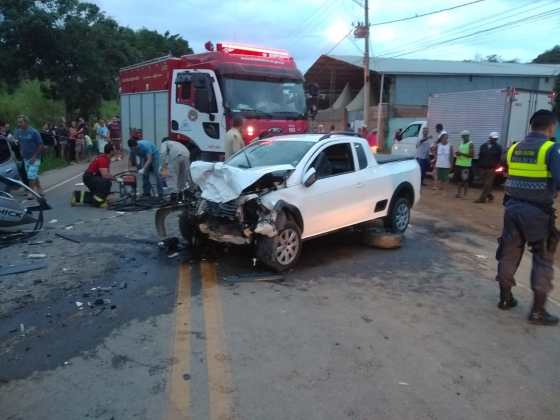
x,y
444,161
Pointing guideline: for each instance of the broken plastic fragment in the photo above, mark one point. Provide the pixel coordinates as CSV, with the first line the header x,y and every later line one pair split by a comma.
x,y
37,256
79,305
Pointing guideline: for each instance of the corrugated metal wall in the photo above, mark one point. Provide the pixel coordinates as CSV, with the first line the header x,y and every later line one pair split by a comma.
x,y
480,112
415,90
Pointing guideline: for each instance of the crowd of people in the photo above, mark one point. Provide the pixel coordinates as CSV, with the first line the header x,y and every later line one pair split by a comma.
x,y
76,142
68,141
442,156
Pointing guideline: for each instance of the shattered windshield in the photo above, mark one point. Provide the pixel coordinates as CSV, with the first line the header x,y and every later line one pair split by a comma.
x,y
264,98
269,153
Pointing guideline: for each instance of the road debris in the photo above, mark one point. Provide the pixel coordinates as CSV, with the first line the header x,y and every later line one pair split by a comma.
x,y
22,329
76,241
37,256
53,221
22,268
482,257
69,227
79,305
254,277
403,383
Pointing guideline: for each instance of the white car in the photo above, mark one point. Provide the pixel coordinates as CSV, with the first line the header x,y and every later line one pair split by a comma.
x,y
410,136
277,192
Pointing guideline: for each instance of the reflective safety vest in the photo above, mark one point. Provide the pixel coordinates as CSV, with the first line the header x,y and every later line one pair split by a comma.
x,y
528,173
465,162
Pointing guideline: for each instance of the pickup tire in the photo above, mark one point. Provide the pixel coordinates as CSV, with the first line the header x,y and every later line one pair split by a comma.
x,y
399,215
281,252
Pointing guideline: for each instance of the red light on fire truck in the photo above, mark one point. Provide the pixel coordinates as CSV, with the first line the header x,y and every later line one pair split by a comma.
x,y
243,49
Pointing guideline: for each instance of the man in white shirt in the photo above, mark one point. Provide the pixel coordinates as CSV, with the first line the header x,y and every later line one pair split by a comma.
x,y
234,139
176,155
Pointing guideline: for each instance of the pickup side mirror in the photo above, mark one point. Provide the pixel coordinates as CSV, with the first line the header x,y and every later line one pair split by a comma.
x,y
310,177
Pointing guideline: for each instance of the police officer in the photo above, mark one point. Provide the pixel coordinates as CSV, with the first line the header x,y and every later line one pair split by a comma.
x,y
533,179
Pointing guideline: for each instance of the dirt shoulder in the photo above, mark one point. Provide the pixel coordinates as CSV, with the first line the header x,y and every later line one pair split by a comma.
x,y
484,219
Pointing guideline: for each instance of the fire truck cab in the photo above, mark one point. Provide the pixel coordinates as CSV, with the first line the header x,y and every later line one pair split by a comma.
x,y
194,98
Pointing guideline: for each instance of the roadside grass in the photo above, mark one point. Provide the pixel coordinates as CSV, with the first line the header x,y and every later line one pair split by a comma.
x,y
51,162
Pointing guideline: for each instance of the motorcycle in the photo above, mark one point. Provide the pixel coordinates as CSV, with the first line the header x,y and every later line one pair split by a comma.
x,y
15,213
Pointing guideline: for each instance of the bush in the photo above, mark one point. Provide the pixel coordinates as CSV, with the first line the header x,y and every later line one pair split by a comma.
x,y
28,99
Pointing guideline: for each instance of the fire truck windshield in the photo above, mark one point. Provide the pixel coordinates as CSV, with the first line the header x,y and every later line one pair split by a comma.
x,y
265,99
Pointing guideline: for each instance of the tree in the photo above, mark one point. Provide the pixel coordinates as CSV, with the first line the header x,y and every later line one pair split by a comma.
x,y
74,49
552,56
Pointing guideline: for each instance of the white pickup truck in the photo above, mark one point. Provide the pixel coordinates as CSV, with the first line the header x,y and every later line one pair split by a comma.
x,y
277,192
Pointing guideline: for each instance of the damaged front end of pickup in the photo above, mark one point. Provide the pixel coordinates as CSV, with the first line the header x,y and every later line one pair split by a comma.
x,y
226,205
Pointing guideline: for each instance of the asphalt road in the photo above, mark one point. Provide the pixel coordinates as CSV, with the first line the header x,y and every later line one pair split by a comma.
x,y
352,333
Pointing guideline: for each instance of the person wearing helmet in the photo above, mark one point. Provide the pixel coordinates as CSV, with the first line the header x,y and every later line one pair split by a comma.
x,y
489,158
530,189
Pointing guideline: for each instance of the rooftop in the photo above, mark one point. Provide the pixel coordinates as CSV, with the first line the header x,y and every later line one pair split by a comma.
x,y
441,67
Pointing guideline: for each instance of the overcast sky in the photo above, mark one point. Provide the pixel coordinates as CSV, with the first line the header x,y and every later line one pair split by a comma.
x,y
309,28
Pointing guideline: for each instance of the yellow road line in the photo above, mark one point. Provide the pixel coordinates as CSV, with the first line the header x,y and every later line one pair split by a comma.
x,y
179,403
220,386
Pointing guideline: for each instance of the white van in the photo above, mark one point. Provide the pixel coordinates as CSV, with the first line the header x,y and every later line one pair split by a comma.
x,y
407,146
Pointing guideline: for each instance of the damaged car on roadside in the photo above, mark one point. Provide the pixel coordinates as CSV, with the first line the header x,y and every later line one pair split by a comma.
x,y
277,192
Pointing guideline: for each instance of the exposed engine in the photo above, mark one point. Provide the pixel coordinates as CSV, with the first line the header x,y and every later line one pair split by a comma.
x,y
235,221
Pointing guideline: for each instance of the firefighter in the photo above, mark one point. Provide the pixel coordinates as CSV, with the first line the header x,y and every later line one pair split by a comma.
x,y
97,178
533,179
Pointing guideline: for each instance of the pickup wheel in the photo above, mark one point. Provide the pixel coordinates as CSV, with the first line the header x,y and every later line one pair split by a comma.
x,y
399,216
281,252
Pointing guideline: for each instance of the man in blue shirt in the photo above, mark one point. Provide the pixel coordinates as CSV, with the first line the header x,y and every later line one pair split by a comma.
x,y
148,154
31,146
529,217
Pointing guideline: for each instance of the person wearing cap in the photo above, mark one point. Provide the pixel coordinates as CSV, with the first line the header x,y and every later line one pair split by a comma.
x,y
148,154
489,158
463,163
529,218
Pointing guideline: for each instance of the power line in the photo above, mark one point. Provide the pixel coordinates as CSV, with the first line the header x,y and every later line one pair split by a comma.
x,y
339,42
524,20
470,26
427,14
462,33
320,10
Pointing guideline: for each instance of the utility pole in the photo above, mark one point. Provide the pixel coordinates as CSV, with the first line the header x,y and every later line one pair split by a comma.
x,y
366,64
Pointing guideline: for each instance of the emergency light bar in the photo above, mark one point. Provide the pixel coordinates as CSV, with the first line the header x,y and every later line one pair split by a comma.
x,y
243,49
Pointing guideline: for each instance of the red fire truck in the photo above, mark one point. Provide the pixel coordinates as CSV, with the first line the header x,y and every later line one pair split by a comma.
x,y
194,98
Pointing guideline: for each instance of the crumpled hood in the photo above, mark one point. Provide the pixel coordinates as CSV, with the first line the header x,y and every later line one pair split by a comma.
x,y
221,183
